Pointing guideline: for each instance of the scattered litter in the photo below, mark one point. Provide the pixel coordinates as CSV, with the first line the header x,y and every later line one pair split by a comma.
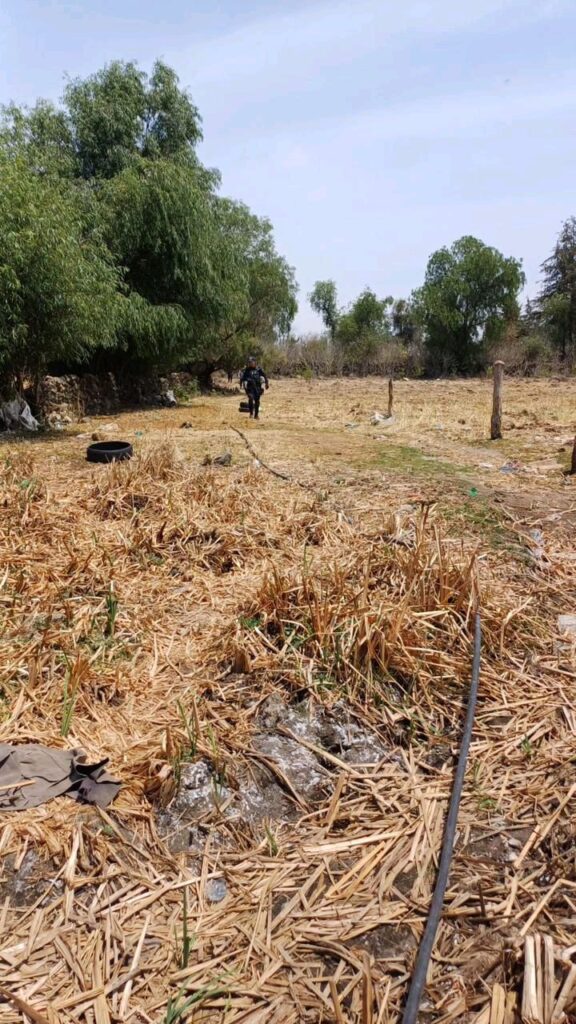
x,y
473,492
31,775
512,466
485,465
57,422
352,426
138,433
16,415
218,460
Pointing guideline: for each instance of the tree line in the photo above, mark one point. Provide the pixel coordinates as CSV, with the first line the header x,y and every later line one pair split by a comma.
x,y
466,314
118,253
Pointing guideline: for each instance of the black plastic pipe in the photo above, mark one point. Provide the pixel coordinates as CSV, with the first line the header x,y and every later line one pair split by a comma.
x,y
427,944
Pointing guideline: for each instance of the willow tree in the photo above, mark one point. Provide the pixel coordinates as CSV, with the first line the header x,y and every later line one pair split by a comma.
x,y
59,288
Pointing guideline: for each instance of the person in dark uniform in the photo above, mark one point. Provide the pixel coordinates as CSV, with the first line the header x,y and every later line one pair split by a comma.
x,y
251,380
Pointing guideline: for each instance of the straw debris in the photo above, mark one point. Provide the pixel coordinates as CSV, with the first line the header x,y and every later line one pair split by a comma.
x,y
297,665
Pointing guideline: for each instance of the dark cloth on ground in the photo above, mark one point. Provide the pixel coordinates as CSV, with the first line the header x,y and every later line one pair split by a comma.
x,y
31,775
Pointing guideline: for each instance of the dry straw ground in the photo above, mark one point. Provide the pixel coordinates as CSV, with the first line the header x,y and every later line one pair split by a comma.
x,y
305,644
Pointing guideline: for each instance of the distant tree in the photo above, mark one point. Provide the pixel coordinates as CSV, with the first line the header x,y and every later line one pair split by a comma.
x,y
557,298
363,329
469,294
405,325
324,300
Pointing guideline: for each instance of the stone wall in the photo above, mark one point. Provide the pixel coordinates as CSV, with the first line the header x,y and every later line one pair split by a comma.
x,y
70,398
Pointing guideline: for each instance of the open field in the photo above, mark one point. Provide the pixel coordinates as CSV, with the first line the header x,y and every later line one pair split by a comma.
x,y
277,670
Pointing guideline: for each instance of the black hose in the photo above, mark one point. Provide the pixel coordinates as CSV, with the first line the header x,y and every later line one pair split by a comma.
x,y
427,944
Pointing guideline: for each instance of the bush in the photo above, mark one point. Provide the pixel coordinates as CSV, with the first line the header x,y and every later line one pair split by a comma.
x,y
525,355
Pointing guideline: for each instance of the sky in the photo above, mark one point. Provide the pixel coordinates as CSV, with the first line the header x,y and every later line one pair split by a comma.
x,y
370,132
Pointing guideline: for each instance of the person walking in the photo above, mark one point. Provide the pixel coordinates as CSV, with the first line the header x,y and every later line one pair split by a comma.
x,y
251,380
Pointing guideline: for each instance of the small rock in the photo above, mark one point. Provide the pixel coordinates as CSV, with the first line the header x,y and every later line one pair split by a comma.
x,y
567,625
222,460
352,426
536,546
96,436
216,890
485,465
186,425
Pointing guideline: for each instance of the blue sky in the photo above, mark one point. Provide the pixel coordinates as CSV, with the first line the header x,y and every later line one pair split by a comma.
x,y
370,132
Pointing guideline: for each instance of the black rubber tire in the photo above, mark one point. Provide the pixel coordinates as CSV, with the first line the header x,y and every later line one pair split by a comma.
x,y
109,451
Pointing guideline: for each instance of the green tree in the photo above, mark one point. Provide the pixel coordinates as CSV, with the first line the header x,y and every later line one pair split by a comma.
x,y
262,288
59,290
198,277
469,294
119,114
557,298
324,300
363,330
405,325
41,137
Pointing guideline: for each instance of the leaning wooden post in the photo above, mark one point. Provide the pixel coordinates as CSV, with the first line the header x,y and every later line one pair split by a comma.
x,y
496,420
390,397
573,464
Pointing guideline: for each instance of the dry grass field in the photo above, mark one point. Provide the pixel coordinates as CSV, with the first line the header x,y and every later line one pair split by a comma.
x,y
277,667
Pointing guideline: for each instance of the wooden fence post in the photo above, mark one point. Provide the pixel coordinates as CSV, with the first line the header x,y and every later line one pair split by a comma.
x,y
496,420
390,397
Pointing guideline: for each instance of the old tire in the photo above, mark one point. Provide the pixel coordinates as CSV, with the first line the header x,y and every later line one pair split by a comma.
x,y
109,451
